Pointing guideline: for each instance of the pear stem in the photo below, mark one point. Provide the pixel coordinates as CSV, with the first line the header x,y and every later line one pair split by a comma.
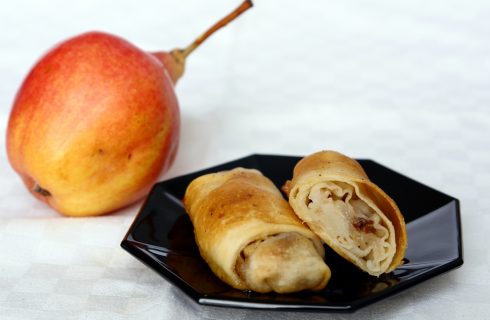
x,y
247,4
177,65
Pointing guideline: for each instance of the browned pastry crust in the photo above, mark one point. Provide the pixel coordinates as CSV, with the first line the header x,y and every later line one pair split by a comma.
x,y
235,211
348,189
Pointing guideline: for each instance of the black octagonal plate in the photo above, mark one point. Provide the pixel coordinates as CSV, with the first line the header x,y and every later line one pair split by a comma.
x,y
162,237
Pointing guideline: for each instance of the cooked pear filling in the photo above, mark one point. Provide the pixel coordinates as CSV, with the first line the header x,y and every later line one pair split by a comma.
x,y
283,262
352,224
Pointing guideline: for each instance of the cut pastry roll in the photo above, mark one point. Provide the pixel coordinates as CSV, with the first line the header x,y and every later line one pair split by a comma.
x,y
333,195
249,235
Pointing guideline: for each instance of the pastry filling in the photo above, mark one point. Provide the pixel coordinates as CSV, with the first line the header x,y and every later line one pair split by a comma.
x,y
284,262
352,224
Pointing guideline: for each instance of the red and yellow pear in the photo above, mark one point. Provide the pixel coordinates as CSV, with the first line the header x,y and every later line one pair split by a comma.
x,y
96,121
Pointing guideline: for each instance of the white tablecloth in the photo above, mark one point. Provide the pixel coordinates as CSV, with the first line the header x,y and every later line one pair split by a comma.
x,y
406,83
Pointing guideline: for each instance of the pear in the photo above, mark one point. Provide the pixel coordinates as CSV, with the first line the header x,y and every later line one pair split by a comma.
x,y
96,121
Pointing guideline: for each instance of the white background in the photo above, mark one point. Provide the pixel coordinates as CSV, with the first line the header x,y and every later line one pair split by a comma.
x,y
406,83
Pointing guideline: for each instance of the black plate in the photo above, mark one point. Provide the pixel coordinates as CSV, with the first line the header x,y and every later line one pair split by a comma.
x,y
162,237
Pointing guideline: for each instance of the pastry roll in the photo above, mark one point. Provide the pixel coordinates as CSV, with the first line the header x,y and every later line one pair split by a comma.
x,y
249,235
333,195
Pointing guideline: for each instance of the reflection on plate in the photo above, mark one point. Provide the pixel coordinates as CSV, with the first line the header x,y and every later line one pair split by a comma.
x,y
162,237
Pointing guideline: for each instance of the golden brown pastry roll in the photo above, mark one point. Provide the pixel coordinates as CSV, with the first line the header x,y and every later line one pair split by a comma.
x,y
333,195
249,235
